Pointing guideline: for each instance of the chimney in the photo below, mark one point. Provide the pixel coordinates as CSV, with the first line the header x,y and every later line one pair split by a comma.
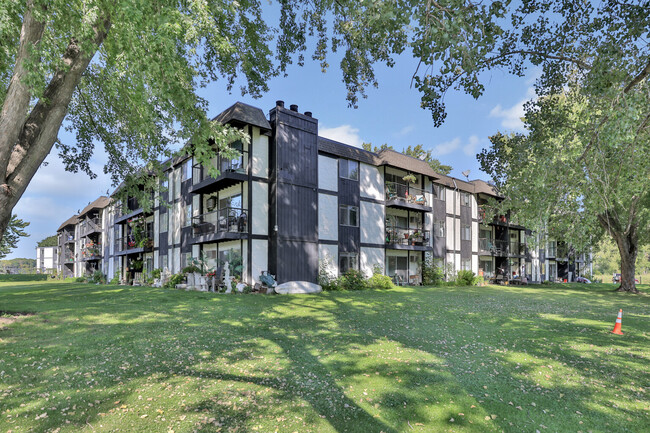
x,y
293,107
308,113
279,104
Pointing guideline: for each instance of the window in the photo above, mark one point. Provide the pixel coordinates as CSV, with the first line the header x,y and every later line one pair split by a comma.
x,y
464,199
466,264
348,169
466,233
439,191
162,261
439,229
348,261
552,249
187,169
232,202
164,222
188,215
349,216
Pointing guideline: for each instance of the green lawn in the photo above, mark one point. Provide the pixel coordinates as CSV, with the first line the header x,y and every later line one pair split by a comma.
x,y
482,359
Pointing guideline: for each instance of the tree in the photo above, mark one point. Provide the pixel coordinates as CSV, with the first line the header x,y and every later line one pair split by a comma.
x,y
50,241
12,235
127,75
416,152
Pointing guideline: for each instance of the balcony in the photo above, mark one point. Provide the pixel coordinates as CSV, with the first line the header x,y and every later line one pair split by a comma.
x,y
68,257
231,172
517,249
68,237
399,238
408,197
127,210
488,246
130,245
223,224
90,226
91,251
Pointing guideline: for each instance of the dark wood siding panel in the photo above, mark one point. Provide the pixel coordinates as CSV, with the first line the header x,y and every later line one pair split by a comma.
x,y
466,249
349,192
297,212
349,239
186,240
297,261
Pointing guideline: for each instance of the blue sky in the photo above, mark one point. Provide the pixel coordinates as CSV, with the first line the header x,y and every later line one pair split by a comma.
x,y
391,114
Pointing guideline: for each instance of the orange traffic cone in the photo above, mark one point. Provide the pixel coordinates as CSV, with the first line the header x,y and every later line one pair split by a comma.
x,y
617,325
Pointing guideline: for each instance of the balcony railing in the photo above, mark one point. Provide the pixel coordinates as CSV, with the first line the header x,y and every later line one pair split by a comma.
x,y
68,257
224,220
91,251
126,243
403,236
224,165
91,225
517,249
407,193
494,247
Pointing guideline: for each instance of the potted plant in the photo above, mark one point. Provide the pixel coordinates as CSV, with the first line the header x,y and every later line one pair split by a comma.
x,y
410,178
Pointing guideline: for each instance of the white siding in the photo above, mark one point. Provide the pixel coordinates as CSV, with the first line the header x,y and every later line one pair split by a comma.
x,y
260,145
259,217
328,219
371,257
328,173
260,258
329,255
371,223
371,182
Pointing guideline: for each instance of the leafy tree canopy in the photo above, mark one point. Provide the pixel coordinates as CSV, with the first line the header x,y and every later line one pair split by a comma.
x,y
12,235
50,241
582,169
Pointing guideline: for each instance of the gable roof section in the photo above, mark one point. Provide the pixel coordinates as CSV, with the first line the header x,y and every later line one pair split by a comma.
x,y
405,162
244,113
99,203
482,187
69,222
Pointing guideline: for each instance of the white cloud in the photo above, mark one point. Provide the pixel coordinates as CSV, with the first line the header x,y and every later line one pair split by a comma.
x,y
346,134
446,147
470,148
512,116
405,131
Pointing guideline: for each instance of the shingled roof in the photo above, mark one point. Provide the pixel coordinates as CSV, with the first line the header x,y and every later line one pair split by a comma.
x,y
99,203
481,186
244,113
69,222
405,162
346,151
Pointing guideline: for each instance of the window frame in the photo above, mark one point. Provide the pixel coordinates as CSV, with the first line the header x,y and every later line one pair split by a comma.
x,y
466,232
439,191
465,199
347,208
348,256
345,174
439,224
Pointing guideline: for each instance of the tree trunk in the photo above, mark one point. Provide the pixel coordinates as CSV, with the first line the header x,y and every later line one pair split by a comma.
x,y
27,138
628,250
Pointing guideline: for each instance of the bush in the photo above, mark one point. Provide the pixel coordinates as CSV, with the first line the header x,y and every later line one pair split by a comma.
x,y
465,278
156,273
23,277
546,282
353,280
379,282
191,269
174,280
80,279
97,277
432,275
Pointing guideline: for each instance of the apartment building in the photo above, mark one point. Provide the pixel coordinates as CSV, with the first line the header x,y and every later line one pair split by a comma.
x,y
47,259
294,201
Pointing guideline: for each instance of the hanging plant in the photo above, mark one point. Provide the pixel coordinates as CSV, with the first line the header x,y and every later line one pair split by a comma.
x,y
410,178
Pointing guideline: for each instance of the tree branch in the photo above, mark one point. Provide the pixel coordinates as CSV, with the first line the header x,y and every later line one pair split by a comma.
x,y
577,62
644,73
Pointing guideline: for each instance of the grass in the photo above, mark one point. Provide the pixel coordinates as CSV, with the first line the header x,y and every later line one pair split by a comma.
x,y
479,359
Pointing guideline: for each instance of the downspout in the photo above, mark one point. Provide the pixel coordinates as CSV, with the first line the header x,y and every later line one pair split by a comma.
x,y
454,235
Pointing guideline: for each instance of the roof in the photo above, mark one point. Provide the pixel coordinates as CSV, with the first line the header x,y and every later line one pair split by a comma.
x,y
99,203
406,162
346,151
69,222
482,186
244,113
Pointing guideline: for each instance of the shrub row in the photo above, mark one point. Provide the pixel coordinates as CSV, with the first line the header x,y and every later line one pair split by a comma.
x,y
355,280
23,277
